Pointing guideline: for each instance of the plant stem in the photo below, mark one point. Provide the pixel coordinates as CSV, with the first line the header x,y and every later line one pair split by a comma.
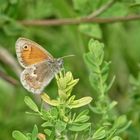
x,y
9,79
74,21
102,9
75,137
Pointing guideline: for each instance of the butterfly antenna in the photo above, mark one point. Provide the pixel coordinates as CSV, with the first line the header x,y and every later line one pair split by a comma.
x,y
71,55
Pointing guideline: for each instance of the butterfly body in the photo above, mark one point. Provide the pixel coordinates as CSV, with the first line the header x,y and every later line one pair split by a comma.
x,y
40,66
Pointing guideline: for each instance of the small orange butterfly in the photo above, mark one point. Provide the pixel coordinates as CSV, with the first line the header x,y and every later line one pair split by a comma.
x,y
40,66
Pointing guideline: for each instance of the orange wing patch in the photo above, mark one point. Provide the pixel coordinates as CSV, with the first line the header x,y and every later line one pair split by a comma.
x,y
33,55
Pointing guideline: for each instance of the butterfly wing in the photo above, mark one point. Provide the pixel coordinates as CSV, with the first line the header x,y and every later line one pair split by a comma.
x,y
29,52
36,77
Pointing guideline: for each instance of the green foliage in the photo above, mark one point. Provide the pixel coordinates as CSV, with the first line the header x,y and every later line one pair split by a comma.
x,y
65,86
98,68
121,41
133,112
31,104
17,135
59,119
108,126
92,30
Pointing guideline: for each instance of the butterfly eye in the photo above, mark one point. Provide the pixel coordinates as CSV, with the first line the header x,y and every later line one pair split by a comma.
x,y
25,47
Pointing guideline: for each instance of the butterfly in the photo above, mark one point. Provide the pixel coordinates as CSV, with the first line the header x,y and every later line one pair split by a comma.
x,y
39,65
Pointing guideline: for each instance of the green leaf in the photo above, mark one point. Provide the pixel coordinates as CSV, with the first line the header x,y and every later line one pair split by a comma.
x,y
99,134
78,127
47,124
42,10
81,102
69,77
92,30
54,112
124,127
79,4
112,104
49,115
118,9
30,103
62,94
96,48
120,121
111,83
90,63
116,138
34,133
32,113
84,112
84,6
47,99
70,86
82,117
47,132
105,67
60,126
71,99
62,83
73,82
18,135
94,81
96,54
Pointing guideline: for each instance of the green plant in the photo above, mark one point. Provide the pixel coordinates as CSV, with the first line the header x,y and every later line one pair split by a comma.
x,y
114,22
110,125
133,112
59,121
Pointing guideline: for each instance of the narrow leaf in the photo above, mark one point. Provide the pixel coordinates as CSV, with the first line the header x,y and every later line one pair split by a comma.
x,y
19,136
34,133
99,134
81,102
79,127
48,132
47,99
30,103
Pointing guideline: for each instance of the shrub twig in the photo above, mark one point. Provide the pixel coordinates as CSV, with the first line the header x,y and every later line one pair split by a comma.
x,y
8,78
74,21
102,9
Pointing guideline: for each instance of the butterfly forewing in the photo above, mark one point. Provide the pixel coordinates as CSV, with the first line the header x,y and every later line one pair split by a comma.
x,y
33,54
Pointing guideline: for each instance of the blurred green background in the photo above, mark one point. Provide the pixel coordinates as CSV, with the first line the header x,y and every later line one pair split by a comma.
x,y
122,47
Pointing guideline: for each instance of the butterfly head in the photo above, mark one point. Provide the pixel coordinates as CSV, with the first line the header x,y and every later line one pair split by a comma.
x,y
59,62
56,64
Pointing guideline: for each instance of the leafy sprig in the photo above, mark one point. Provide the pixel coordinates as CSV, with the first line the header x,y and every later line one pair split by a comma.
x,y
65,86
110,125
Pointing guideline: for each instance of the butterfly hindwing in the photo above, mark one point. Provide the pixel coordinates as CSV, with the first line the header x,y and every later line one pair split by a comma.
x,y
36,77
